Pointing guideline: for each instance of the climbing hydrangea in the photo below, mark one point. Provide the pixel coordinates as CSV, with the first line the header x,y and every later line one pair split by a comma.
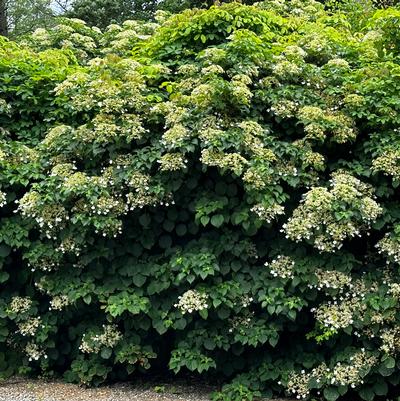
x,y
214,192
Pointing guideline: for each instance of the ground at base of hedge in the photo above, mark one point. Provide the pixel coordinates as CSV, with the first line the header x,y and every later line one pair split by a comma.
x,y
20,389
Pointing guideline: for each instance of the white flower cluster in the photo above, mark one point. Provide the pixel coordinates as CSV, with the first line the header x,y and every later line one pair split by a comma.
x,y
175,136
143,197
389,246
238,323
93,343
388,163
338,63
59,302
268,214
20,305
246,301
341,374
285,108
192,300
332,279
319,122
91,91
285,69
69,245
282,266
316,217
250,127
340,313
172,162
44,263
34,352
298,384
390,340
3,198
213,69
203,95
240,92
50,217
30,326
254,180
230,161
105,205
335,316
394,290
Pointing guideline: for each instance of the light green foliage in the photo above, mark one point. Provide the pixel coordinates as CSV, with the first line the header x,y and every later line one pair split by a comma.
x,y
215,192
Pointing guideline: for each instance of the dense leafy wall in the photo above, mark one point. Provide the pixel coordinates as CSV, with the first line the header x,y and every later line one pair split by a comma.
x,y
217,192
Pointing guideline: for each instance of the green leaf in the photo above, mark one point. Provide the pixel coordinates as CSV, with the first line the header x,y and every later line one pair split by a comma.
x,y
217,220
87,299
204,220
366,393
331,394
4,250
145,220
390,362
380,388
106,353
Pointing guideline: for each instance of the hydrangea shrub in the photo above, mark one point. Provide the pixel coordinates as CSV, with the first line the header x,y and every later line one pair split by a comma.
x,y
215,192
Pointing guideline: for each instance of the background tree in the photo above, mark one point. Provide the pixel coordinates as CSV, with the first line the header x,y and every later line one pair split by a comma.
x,y
18,17
3,18
104,12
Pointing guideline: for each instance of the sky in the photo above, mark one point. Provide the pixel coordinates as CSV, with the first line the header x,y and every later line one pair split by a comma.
x,y
55,5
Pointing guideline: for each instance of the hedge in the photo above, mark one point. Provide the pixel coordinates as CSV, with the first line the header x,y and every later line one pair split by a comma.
x,y
216,192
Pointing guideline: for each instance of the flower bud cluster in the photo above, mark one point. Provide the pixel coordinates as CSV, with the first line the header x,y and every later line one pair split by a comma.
x,y
63,170
5,108
285,69
192,300
203,94
285,108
